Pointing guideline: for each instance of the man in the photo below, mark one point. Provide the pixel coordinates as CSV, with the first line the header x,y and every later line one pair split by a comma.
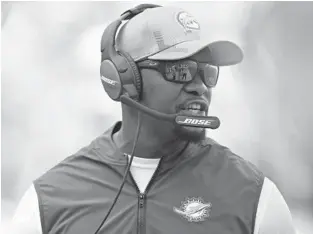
x,y
180,181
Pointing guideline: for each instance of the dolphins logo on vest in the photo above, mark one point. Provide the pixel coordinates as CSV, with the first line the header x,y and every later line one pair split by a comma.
x,y
194,209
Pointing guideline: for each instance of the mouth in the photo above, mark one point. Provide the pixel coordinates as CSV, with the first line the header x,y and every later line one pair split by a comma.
x,y
195,107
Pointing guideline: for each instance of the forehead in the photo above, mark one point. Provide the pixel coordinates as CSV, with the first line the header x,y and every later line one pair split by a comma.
x,y
203,55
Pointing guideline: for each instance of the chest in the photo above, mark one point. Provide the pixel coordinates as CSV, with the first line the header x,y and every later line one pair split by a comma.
x,y
194,208
181,201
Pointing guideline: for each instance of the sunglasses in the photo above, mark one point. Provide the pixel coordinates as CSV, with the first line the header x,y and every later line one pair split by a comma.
x,y
184,71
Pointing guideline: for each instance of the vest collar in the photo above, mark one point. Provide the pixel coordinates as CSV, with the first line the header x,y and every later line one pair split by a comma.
x,y
111,154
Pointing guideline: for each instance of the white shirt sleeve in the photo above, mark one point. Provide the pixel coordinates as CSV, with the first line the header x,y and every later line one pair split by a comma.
x,y
273,214
26,219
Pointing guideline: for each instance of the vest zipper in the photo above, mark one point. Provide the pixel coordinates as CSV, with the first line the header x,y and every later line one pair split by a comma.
x,y
141,204
142,201
141,214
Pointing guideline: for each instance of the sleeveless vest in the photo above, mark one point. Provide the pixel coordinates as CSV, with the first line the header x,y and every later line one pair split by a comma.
x,y
202,188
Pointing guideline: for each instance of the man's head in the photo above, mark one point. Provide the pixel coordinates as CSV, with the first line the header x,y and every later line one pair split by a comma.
x,y
178,66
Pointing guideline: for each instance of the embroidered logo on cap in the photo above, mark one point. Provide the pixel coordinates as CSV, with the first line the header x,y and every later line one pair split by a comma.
x,y
188,22
194,209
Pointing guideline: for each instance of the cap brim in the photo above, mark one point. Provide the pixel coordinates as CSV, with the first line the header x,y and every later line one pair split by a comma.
x,y
222,53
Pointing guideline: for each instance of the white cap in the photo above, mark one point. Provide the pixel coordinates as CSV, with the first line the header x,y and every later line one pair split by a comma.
x,y
171,33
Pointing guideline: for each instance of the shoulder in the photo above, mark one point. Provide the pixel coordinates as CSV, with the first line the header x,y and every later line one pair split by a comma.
x,y
272,206
75,166
224,158
26,218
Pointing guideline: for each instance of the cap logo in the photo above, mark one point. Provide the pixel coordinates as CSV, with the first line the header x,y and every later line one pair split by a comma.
x,y
188,22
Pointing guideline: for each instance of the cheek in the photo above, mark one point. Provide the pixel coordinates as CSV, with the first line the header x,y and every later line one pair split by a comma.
x,y
208,95
158,93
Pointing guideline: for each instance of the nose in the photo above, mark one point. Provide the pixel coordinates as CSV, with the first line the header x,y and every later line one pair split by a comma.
x,y
196,87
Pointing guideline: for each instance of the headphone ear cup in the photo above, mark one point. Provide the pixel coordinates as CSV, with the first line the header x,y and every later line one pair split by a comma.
x,y
137,80
111,80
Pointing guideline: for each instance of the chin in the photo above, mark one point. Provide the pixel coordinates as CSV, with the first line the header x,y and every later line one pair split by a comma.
x,y
191,134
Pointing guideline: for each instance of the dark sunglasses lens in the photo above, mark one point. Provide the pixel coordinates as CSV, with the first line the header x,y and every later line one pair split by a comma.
x,y
181,72
210,75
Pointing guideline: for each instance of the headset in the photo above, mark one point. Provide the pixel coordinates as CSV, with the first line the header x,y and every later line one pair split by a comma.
x,y
119,73
121,79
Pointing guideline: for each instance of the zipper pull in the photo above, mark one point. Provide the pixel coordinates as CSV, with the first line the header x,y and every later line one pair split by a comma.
x,y
141,200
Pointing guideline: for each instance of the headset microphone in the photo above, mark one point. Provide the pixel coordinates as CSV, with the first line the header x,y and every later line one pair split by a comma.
x,y
211,122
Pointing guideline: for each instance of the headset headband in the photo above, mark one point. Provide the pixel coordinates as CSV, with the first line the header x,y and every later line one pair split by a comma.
x,y
127,15
111,30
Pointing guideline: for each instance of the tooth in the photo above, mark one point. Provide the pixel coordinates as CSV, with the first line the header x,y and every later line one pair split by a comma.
x,y
194,106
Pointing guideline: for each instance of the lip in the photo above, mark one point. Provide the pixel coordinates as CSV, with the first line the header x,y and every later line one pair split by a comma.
x,y
204,106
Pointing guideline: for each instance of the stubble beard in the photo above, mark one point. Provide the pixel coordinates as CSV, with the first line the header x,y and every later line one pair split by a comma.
x,y
191,134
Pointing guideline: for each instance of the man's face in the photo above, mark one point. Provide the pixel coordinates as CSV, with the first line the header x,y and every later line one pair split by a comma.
x,y
172,98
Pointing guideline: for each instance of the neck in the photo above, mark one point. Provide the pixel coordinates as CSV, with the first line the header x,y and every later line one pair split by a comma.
x,y
156,138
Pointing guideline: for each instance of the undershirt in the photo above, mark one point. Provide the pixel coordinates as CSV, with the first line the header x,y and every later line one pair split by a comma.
x,y
142,170
273,215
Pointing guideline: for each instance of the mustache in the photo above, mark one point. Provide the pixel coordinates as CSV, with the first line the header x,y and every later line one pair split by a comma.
x,y
181,106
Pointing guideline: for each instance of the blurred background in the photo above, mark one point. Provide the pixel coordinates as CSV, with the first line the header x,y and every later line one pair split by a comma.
x,y
53,104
